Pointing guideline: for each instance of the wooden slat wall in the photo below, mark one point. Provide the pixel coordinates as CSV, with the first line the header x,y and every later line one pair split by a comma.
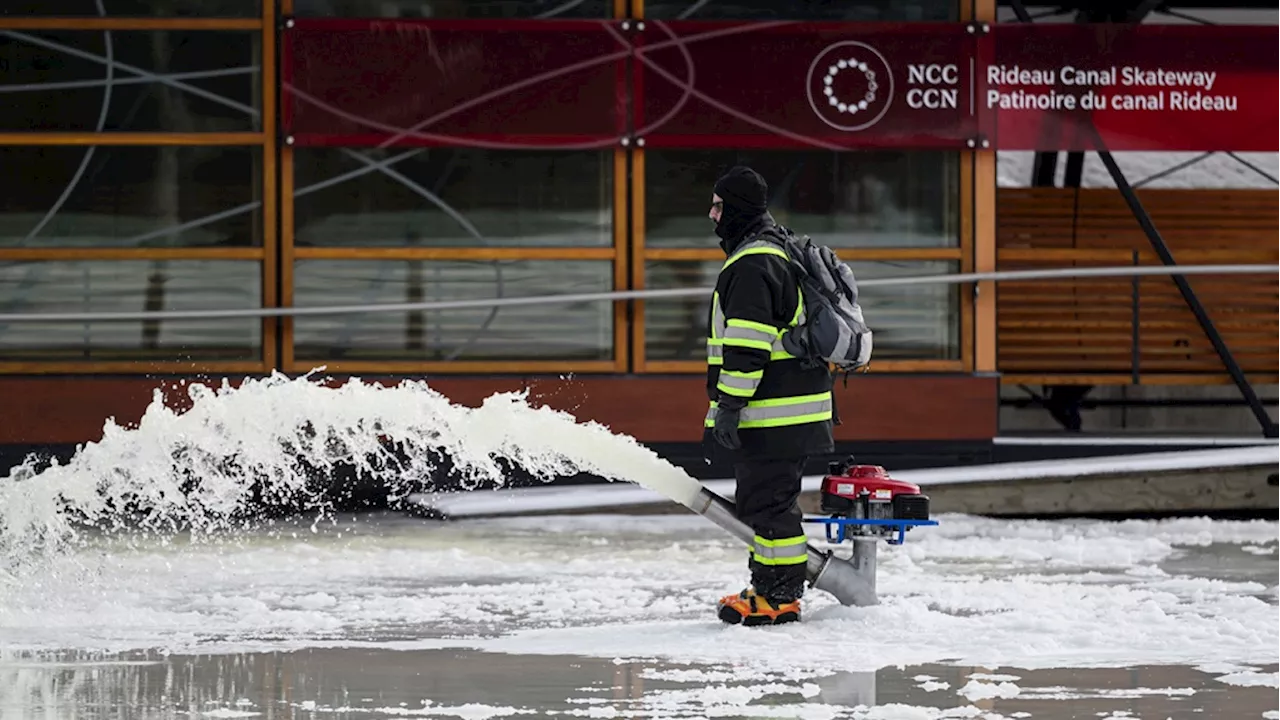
x,y
1081,331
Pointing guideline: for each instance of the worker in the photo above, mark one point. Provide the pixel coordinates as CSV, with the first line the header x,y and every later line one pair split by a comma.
x,y
769,412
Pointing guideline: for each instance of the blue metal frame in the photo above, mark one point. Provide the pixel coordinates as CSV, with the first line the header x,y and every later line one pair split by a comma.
x,y
837,527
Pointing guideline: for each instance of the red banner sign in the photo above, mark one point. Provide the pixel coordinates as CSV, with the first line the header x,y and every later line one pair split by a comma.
x,y
1134,87
681,84
479,83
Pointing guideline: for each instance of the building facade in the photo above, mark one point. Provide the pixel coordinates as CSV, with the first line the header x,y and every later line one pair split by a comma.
x,y
230,155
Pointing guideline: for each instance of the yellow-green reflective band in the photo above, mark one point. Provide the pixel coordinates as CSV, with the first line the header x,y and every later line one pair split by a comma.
x,y
750,337
767,330
764,248
780,412
765,345
730,332
779,561
739,384
717,317
782,551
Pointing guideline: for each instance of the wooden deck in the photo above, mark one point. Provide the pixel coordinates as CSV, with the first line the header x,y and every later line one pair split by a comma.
x,y
1121,330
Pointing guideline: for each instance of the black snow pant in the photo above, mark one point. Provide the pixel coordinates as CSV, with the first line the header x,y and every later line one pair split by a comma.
x,y
766,499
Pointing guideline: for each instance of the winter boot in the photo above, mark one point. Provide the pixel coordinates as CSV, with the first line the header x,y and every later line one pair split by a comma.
x,y
750,609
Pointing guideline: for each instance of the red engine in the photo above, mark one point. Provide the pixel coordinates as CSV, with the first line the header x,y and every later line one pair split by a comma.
x,y
867,492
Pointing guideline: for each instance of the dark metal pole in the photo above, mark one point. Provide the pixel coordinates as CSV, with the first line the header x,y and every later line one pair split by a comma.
x,y
1206,323
1136,13
1020,10
1135,370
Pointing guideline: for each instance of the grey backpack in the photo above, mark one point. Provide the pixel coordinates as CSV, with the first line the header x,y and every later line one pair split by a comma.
x,y
833,329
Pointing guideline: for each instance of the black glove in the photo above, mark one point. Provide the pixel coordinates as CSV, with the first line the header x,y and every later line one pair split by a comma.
x,y
726,428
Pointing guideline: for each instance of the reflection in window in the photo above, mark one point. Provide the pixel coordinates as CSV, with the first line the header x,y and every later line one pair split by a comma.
x,y
454,197
849,199
48,286
130,196
828,10
59,80
456,8
581,331
910,322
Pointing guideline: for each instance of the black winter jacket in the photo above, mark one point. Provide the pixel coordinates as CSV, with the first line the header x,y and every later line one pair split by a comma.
x,y
761,288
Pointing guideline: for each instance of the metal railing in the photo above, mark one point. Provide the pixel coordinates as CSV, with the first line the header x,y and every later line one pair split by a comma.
x,y
613,296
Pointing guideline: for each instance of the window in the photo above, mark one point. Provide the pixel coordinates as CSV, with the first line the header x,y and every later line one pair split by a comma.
x,y
451,224
49,286
453,197
579,331
104,81
130,196
889,213
879,199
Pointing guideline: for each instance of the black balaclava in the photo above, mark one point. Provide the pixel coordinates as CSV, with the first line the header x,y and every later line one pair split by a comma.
x,y
746,200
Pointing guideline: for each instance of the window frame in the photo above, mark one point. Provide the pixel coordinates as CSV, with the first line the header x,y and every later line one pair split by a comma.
x,y
266,255
276,256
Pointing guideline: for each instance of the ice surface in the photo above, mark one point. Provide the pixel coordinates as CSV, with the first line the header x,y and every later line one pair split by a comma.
x,y
975,592
1252,679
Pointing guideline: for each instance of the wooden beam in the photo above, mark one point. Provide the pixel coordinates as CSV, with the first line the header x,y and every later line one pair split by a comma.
x,y
984,260
454,253
1120,256
286,227
681,367
621,329
982,196
84,139
1126,379
850,254
967,330
66,254
287,252
129,367
270,185
455,367
132,23
638,254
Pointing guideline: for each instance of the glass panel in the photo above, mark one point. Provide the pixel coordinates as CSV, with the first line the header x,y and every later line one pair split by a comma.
x,y
850,11
909,321
580,331
131,286
130,196
63,80
496,84
459,198
853,199
133,8
456,8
